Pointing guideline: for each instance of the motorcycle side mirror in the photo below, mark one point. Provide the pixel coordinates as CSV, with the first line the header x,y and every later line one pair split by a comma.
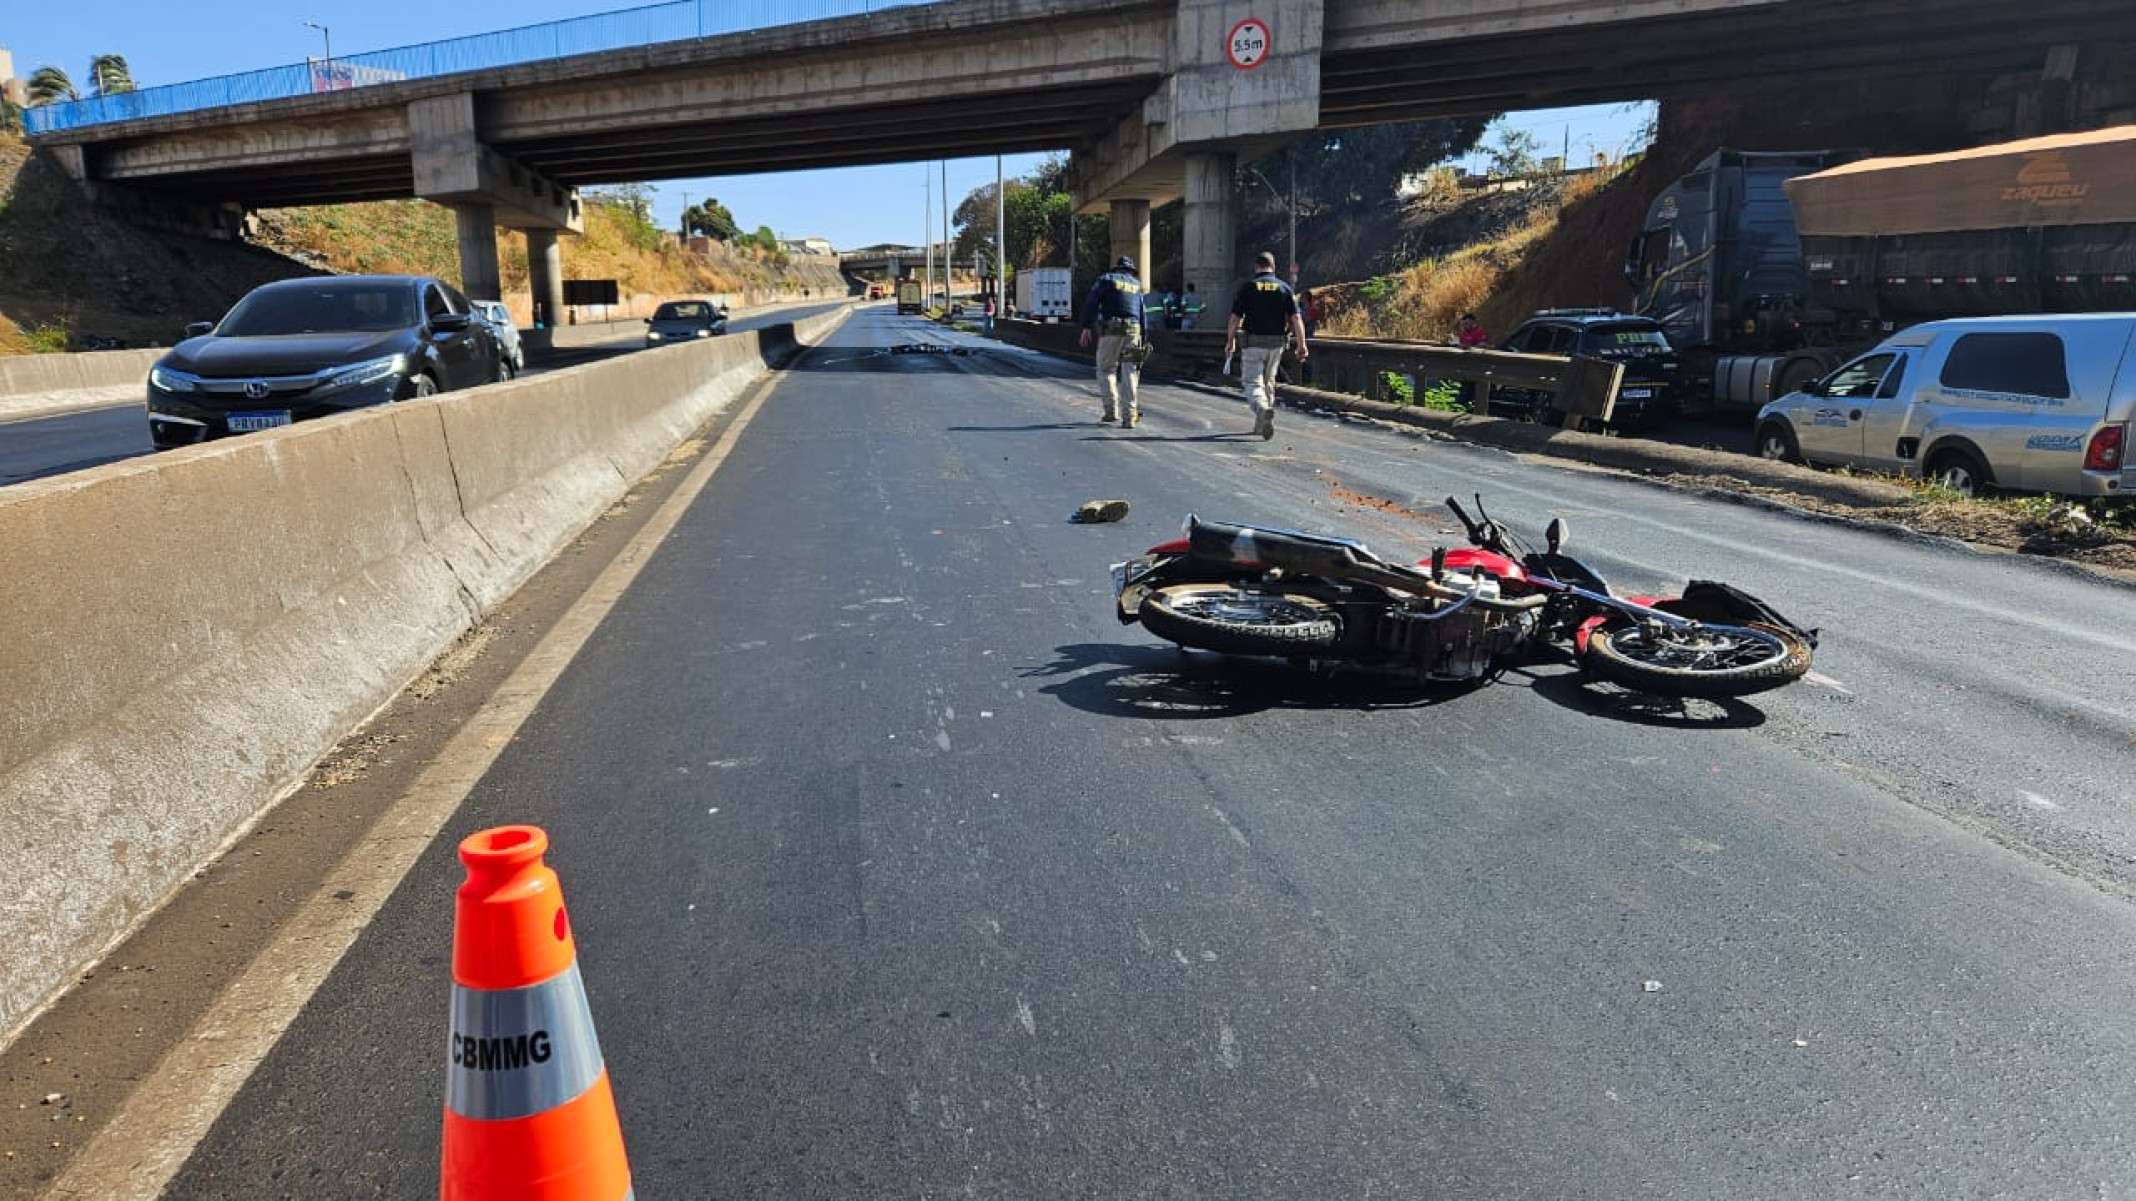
x,y
1555,533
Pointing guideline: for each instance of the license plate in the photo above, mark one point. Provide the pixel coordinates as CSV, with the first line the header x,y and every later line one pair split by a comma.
x,y
1636,393
1119,577
245,423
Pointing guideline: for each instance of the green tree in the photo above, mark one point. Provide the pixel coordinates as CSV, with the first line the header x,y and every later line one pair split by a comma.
x,y
49,85
710,219
10,116
109,75
1514,153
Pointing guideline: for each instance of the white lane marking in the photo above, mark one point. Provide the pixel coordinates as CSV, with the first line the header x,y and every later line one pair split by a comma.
x,y
1824,681
144,1145
1226,820
1227,1045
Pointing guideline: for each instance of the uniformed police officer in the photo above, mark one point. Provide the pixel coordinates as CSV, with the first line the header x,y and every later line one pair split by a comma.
x,y
1266,310
1114,311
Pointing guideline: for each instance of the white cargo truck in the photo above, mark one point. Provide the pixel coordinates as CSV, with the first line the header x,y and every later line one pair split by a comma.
x,y
1044,294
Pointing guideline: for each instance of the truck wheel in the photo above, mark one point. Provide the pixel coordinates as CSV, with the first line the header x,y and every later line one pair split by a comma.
x,y
1777,442
1959,470
1794,373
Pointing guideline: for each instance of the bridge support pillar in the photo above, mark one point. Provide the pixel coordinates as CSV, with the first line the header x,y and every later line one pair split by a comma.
x,y
545,276
1131,235
1211,253
479,276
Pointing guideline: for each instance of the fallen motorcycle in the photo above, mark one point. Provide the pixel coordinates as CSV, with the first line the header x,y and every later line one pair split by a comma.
x,y
1464,614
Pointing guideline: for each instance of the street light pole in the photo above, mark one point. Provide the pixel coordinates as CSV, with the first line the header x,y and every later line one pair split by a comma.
x,y
1001,243
927,229
328,35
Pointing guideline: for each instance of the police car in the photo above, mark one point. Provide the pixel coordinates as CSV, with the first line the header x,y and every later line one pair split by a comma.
x,y
1647,393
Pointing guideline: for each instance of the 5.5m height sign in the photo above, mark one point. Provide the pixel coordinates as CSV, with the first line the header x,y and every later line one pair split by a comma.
x,y
1248,43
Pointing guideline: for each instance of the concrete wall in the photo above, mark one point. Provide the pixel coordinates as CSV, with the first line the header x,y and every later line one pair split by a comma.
x,y
40,374
175,662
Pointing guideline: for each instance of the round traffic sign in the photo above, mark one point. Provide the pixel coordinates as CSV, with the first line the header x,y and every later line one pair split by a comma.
x,y
1247,44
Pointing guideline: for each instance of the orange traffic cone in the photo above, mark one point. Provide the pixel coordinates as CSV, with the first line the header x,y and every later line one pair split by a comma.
x,y
528,1111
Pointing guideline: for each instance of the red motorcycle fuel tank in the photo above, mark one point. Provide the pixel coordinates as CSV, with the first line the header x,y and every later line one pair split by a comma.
x,y
1470,558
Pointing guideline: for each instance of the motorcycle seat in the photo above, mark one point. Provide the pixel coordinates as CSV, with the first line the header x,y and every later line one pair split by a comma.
x,y
1290,550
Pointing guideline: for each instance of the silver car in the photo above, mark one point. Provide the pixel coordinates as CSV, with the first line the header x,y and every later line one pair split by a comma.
x,y
500,319
2039,403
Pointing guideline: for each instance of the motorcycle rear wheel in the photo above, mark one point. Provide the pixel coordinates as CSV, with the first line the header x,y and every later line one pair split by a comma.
x,y
1239,621
1713,662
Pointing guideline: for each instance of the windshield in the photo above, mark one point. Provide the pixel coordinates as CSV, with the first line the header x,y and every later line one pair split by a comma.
x,y
326,308
683,310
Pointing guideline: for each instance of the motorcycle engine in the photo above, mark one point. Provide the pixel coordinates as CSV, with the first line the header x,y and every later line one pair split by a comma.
x,y
1452,646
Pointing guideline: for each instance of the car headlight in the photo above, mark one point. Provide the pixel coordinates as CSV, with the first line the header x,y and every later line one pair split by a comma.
x,y
653,335
704,333
169,381
369,372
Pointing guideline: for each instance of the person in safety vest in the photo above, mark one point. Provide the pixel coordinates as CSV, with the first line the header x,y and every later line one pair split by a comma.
x,y
1114,314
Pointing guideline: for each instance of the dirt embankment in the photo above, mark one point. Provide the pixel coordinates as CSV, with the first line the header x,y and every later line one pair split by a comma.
x,y
69,273
1566,247
417,237
73,277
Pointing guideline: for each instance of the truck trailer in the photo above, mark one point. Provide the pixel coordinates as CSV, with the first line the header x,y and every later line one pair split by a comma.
x,y
1769,270
1042,294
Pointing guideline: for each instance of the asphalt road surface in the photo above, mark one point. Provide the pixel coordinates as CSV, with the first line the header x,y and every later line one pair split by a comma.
x,y
899,868
46,446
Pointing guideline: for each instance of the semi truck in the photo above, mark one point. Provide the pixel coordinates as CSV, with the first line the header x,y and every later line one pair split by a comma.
x,y
909,299
1769,270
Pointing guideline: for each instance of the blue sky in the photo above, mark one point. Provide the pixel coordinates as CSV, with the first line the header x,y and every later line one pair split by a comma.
x,y
170,42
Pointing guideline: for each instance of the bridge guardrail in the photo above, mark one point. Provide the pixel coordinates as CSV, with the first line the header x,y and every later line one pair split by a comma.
x,y
675,21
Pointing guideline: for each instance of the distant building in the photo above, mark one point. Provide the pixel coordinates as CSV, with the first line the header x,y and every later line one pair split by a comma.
x,y
808,246
12,88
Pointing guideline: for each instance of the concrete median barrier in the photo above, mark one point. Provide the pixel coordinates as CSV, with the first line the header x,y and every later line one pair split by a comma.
x,y
191,631
36,385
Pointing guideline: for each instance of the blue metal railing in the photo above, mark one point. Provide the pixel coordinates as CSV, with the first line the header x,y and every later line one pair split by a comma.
x,y
675,21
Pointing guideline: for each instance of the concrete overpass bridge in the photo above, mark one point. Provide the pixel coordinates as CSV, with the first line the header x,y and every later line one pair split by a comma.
x,y
1156,99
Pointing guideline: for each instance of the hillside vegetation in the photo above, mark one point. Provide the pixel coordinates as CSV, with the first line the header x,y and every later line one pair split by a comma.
x,y
1568,249
417,237
73,277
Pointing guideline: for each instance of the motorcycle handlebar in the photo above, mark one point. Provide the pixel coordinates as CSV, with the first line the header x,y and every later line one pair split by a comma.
x,y
1461,513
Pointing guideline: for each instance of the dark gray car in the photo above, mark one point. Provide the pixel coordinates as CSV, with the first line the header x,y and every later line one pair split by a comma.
x,y
683,320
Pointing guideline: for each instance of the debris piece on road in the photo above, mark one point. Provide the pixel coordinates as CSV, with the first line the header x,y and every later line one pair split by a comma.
x,y
1651,986
1093,512
1802,1042
54,1099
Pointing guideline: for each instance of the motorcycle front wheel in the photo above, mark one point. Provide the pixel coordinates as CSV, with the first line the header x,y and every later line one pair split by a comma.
x,y
1709,661
1239,621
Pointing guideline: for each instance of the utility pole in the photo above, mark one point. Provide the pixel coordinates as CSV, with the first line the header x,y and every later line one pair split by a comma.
x,y
947,286
927,229
1001,243
684,220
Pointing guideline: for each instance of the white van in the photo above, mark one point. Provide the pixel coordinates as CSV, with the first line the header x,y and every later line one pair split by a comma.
x,y
2037,403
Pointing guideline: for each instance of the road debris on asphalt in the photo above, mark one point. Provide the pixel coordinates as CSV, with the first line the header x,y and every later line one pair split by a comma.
x,y
1094,512
1651,986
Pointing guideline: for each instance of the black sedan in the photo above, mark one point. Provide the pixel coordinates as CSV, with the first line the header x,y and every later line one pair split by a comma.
x,y
305,348
682,320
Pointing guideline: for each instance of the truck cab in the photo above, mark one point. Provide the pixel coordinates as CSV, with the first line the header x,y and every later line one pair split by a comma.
x,y
1719,265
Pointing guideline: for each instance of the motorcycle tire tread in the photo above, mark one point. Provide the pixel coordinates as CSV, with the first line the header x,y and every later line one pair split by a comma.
x,y
1239,638
1602,660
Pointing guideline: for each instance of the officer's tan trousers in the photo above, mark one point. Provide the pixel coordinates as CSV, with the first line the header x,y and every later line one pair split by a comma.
x,y
1118,375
